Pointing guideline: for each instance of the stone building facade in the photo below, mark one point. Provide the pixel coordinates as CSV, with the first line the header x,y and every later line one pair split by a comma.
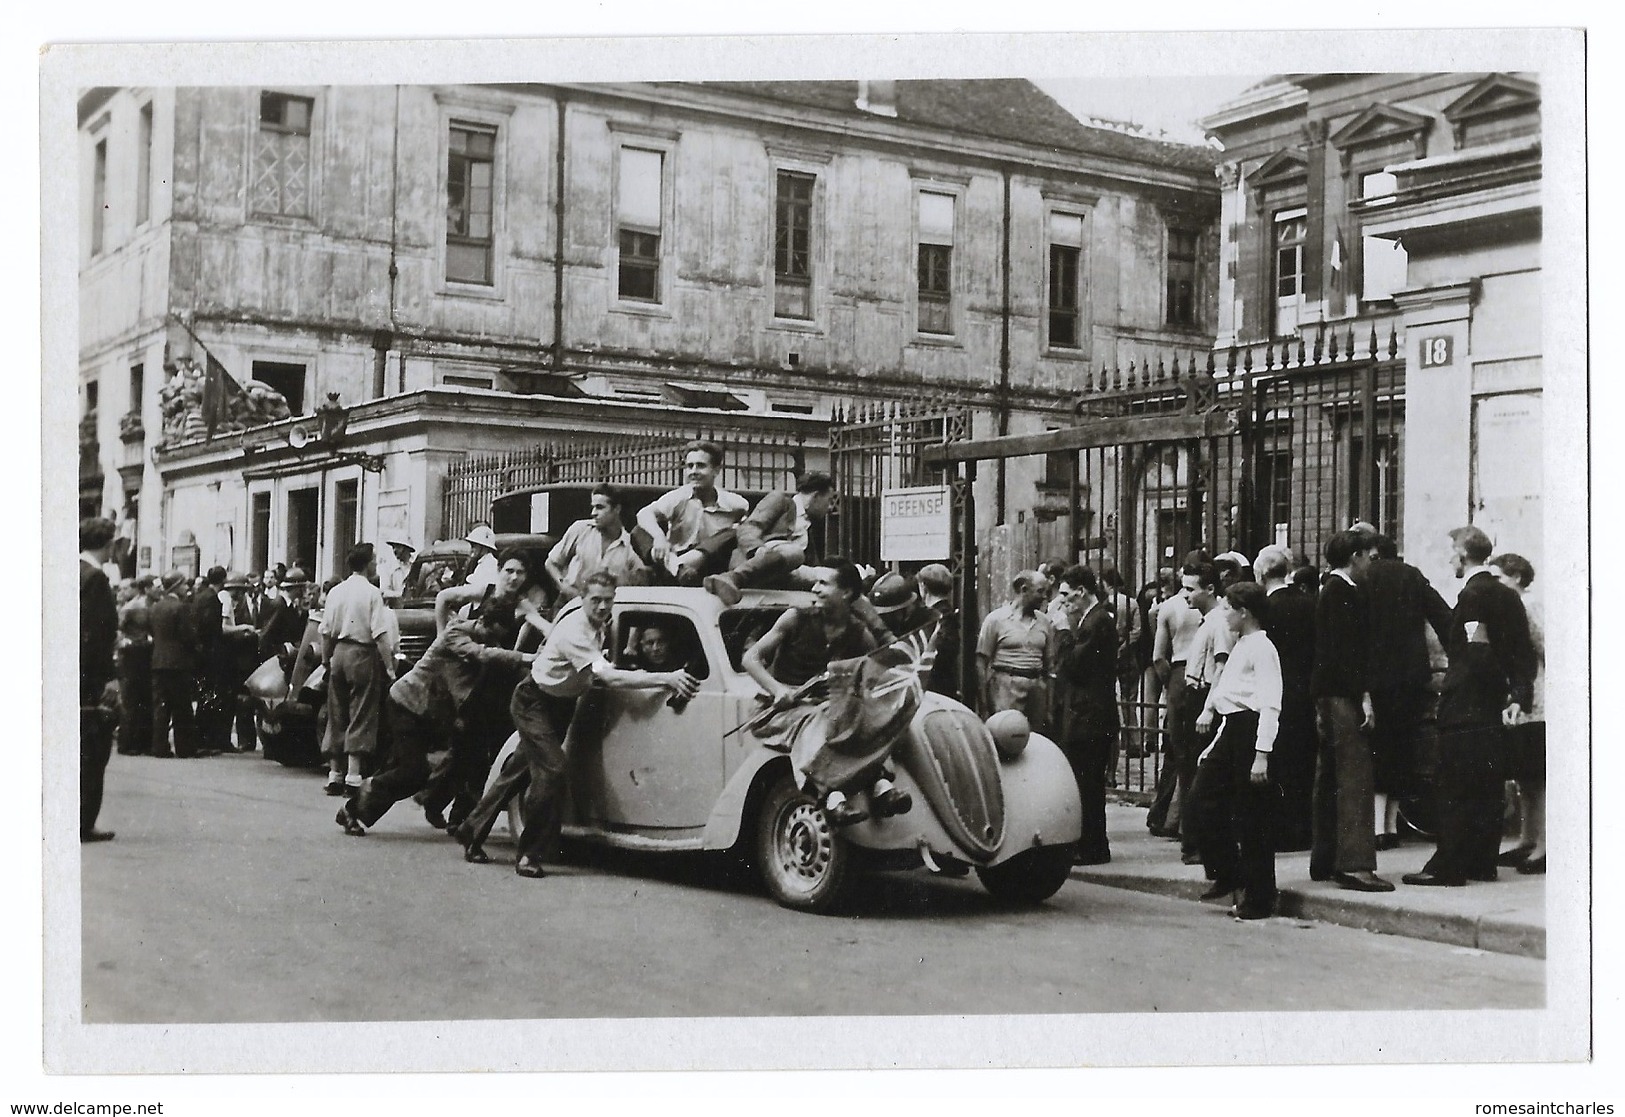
x,y
474,268
1404,205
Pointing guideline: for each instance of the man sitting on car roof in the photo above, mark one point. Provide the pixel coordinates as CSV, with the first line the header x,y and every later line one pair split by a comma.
x,y
773,545
600,542
690,529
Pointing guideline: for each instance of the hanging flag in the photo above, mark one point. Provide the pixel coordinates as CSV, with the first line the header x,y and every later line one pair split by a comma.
x,y
219,389
1337,259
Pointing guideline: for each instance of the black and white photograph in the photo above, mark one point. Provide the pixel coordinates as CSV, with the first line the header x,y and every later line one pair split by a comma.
x,y
818,553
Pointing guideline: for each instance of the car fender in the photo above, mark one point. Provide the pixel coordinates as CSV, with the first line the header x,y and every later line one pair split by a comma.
x,y
1041,804
727,818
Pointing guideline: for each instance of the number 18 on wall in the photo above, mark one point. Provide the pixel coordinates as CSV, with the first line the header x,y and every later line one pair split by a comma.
x,y
1438,351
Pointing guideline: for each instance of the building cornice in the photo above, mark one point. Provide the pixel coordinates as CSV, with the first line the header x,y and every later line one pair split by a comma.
x,y
886,132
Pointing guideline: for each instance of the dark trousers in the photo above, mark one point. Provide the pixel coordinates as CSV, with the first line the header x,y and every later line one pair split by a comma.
x,y
536,769
95,749
458,779
214,712
411,739
172,694
1292,770
1344,838
1393,740
1191,701
1233,817
1471,793
135,697
1087,753
1164,812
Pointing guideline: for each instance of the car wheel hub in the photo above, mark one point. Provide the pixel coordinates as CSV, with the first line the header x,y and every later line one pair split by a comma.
x,y
805,844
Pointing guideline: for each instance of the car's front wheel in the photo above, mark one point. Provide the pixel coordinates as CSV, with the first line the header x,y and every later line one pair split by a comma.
x,y
1028,878
800,858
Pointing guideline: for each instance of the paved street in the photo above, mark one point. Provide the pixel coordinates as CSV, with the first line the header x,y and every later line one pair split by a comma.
x,y
230,895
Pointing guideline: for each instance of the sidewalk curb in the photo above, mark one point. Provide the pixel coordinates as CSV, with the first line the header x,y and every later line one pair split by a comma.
x,y
1346,909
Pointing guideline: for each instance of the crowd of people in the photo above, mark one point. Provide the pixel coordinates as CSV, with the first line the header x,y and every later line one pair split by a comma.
x,y
1288,702
1291,704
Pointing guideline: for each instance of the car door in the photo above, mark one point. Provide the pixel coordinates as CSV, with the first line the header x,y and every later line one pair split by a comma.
x,y
660,764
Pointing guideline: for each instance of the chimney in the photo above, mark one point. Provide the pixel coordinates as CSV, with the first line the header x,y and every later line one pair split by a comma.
x,y
878,97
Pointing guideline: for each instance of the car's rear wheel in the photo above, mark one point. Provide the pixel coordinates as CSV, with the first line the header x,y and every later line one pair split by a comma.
x,y
800,858
1028,878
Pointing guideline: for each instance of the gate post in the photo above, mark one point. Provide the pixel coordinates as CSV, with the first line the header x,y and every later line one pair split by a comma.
x,y
969,621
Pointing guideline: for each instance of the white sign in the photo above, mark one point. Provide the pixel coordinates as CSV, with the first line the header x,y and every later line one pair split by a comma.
x,y
915,524
539,512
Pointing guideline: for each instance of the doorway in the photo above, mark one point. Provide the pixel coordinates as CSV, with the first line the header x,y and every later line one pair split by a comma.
x,y
303,509
346,515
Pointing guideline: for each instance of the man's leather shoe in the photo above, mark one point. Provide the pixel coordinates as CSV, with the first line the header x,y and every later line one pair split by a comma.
x,y
892,801
1190,858
1386,842
1531,867
1242,911
434,817
1486,878
1220,891
1362,881
845,814
528,868
1517,855
334,789
473,853
1433,880
95,835
352,824
1320,874
723,587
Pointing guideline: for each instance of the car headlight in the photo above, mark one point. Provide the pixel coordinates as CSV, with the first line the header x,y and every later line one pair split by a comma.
x,y
1010,732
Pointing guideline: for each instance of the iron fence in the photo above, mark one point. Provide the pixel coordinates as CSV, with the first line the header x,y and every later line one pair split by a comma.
x,y
754,464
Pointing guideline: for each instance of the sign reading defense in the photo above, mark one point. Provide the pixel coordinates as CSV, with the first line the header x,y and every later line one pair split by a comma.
x,y
915,524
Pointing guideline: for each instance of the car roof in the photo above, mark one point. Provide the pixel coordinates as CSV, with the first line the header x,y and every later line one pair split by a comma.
x,y
706,604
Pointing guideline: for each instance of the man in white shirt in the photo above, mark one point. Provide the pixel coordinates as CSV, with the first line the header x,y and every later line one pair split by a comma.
x,y
574,657
358,653
483,558
600,542
394,583
1231,806
1205,660
691,528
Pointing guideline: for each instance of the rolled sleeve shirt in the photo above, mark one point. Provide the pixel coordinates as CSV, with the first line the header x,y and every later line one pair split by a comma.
x,y
583,550
1213,640
687,519
1251,680
355,611
575,651
1012,642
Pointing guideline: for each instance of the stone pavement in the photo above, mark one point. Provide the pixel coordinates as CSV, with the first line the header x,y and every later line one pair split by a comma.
x,y
1508,916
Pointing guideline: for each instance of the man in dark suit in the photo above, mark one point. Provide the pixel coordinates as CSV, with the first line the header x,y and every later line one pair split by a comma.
x,y
1085,702
98,632
1289,620
1402,601
936,584
174,658
1344,845
776,538
1487,687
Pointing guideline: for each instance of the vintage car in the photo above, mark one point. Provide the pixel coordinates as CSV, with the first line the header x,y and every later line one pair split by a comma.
x,y
648,773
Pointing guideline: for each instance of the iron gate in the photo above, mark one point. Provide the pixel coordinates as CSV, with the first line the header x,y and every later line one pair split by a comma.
x,y
1319,444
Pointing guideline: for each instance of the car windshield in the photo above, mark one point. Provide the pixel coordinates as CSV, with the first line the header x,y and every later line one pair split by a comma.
x,y
432,574
743,627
